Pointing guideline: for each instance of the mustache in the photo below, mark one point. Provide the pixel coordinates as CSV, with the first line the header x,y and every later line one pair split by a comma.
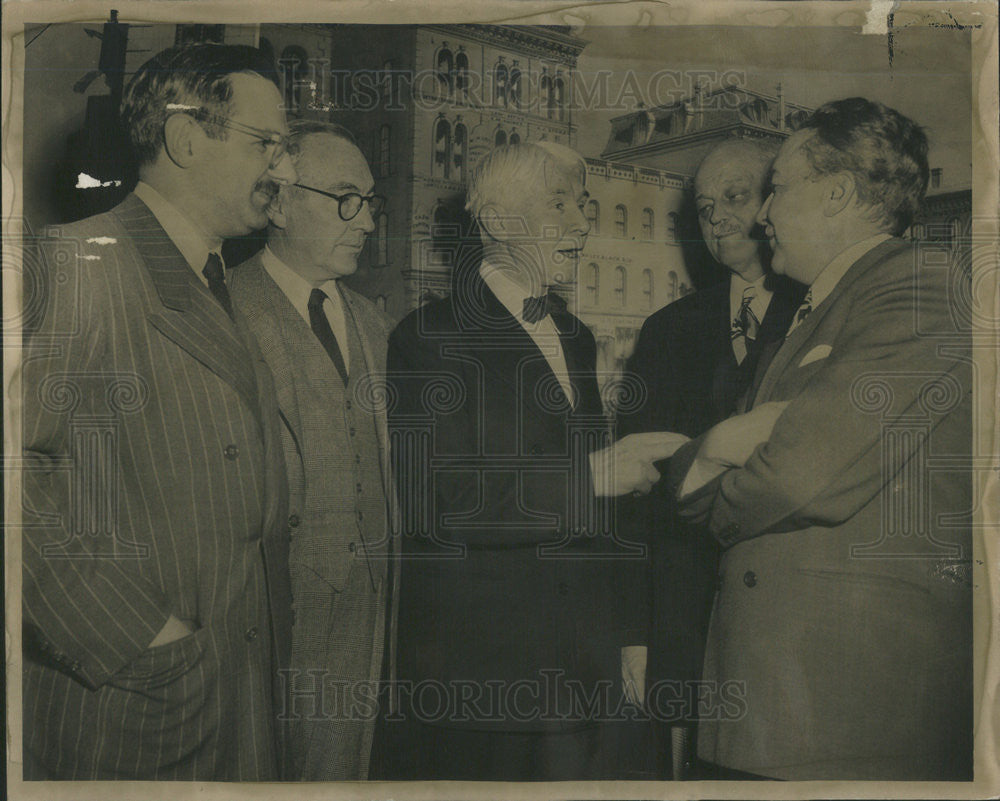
x,y
268,187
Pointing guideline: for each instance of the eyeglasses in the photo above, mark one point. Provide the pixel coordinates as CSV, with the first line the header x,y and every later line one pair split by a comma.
x,y
349,205
272,139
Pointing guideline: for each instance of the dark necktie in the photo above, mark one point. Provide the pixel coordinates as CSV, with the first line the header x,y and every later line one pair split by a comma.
x,y
745,326
538,308
321,328
216,277
804,310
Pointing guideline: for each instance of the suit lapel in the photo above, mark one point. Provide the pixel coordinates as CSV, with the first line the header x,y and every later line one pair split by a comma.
x,y
191,317
375,370
274,321
794,342
507,344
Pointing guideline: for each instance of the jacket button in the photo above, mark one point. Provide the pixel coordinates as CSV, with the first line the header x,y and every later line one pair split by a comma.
x,y
294,520
251,634
563,588
750,578
348,404
352,547
74,666
231,452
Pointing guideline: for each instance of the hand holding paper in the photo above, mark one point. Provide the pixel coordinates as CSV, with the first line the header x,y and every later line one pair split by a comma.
x,y
730,444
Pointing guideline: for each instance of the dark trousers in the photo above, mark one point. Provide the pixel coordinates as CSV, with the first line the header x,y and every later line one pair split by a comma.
x,y
416,751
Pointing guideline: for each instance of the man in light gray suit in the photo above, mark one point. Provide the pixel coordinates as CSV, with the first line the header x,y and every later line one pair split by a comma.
x,y
326,346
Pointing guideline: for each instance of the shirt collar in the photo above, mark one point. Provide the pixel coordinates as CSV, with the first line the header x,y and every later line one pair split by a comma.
x,y
509,291
188,238
762,296
841,263
296,288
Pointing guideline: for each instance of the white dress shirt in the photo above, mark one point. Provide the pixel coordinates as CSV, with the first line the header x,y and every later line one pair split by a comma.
x,y
297,289
189,239
511,293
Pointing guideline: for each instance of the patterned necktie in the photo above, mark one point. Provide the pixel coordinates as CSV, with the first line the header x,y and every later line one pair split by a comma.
x,y
216,276
803,312
321,328
745,326
538,308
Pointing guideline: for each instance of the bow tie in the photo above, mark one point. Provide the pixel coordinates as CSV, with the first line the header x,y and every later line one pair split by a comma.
x,y
537,308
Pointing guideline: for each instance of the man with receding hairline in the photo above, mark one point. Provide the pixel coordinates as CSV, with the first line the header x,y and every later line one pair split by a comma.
x,y
326,346
695,357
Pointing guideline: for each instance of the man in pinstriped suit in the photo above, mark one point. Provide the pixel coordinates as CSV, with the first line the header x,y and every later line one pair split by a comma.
x,y
155,538
326,348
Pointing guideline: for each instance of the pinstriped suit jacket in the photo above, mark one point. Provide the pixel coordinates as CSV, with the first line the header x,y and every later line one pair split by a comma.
x,y
154,485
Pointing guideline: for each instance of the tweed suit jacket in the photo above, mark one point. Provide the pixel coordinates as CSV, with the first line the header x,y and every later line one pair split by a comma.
x,y
840,640
339,621
154,485
506,576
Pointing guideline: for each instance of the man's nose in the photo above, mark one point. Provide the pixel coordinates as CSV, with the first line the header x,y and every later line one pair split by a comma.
x,y
364,220
581,224
761,218
283,172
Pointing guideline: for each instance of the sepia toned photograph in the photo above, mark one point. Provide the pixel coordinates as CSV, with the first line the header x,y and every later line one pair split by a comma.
x,y
598,401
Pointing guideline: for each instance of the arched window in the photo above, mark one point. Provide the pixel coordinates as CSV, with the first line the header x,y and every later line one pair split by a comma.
x,y
673,226
382,240
593,284
500,76
621,221
559,90
501,138
462,74
384,140
445,64
672,288
620,287
647,289
647,225
461,151
292,66
389,82
548,95
515,86
594,216
442,148
515,138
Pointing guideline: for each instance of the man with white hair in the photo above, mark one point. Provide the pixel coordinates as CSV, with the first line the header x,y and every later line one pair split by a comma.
x,y
513,620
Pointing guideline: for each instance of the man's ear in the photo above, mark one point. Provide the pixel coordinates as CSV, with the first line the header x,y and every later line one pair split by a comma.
x,y
839,193
276,208
491,220
180,138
